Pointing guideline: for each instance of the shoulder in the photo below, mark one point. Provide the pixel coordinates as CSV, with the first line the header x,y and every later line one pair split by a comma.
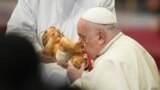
x,y
122,50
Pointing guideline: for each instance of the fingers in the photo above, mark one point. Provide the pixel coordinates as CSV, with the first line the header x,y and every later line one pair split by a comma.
x,y
82,66
70,63
73,73
65,65
45,58
85,56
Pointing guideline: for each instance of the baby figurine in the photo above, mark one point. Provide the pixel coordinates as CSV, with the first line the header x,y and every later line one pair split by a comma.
x,y
62,48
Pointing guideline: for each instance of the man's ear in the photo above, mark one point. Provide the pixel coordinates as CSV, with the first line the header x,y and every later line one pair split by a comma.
x,y
102,36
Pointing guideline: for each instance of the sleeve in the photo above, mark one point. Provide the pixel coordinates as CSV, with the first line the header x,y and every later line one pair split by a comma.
x,y
106,76
58,78
109,4
53,75
77,83
23,21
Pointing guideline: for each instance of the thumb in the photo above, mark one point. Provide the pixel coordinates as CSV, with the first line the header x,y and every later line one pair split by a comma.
x,y
82,66
69,62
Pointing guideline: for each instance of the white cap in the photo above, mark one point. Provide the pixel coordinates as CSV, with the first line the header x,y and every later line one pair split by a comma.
x,y
99,15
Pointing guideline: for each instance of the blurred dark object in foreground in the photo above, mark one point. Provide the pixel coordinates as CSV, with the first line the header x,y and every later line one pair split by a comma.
x,y
19,66
149,39
2,30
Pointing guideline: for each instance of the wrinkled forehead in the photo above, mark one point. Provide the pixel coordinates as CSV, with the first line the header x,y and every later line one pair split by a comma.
x,y
82,22
82,27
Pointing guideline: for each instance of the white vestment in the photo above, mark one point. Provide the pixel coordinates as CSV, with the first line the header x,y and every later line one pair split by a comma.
x,y
31,17
123,64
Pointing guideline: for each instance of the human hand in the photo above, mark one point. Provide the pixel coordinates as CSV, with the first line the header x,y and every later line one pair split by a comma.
x,y
73,73
65,65
45,58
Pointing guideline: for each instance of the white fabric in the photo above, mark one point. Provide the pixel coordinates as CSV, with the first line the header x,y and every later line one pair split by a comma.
x,y
62,57
54,75
122,65
31,17
99,15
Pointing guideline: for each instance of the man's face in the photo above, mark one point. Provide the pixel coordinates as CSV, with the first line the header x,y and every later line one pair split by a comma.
x,y
90,39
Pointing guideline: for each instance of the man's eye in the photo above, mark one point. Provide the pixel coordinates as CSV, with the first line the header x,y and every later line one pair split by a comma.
x,y
84,38
80,38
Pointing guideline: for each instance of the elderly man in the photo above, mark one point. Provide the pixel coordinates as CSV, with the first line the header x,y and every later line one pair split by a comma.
x,y
120,63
